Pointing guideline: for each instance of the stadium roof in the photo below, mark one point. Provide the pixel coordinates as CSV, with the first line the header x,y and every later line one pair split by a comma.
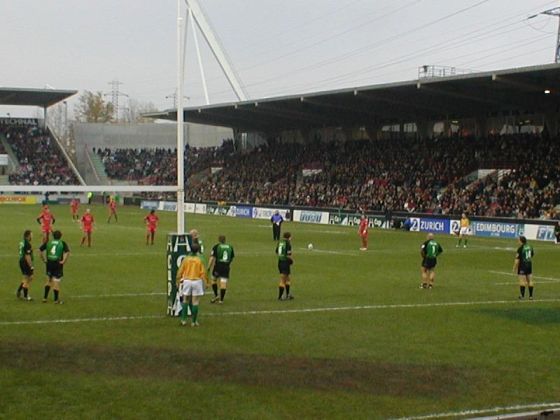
x,y
33,97
520,90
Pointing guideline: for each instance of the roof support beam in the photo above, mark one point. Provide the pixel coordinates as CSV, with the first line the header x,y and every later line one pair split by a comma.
x,y
413,107
459,95
531,87
347,109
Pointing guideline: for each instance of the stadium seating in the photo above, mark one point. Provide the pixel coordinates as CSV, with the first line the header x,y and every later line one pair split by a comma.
x,y
386,175
158,166
40,159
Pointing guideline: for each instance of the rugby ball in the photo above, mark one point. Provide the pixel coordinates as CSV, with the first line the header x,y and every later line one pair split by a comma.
x,y
310,247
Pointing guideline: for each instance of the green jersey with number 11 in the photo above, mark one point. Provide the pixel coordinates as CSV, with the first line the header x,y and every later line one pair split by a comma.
x,y
284,250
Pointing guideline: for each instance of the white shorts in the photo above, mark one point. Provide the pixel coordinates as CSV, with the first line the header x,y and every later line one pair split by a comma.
x,y
192,288
465,231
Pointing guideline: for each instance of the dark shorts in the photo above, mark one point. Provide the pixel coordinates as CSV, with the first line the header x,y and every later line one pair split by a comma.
x,y
284,266
429,263
54,269
221,270
26,270
525,269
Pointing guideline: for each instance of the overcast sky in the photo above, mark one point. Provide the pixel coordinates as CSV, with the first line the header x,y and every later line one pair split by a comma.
x,y
276,47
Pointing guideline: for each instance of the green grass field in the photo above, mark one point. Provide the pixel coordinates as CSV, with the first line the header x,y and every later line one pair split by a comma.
x,y
360,339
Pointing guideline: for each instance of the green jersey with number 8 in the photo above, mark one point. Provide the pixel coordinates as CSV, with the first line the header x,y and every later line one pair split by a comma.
x,y
223,253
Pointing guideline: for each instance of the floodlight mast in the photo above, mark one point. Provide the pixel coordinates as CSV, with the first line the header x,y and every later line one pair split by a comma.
x,y
555,11
216,48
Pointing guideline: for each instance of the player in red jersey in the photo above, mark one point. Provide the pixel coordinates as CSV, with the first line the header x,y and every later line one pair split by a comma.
x,y
151,225
74,206
112,209
46,220
87,227
363,232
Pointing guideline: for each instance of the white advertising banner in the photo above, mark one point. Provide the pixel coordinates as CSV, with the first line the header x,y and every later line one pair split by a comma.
x,y
267,212
540,232
200,208
307,216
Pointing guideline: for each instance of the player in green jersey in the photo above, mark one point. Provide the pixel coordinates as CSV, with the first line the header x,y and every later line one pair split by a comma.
x,y
54,253
523,266
220,259
284,252
429,251
25,265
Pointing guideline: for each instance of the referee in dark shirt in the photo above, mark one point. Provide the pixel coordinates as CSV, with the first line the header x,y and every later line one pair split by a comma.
x,y
276,221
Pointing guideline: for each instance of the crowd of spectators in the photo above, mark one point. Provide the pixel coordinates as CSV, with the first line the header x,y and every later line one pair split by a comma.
x,y
158,166
148,166
41,160
528,188
427,176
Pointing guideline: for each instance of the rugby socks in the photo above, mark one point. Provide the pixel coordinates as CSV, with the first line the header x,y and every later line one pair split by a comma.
x,y
47,289
280,292
222,294
20,288
55,293
25,292
194,311
522,291
184,311
215,289
530,291
287,290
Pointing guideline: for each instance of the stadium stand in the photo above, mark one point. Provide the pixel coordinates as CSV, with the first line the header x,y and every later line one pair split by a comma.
x,y
430,176
40,160
158,166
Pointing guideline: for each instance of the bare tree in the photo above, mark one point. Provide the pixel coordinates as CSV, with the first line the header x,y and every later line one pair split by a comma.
x,y
137,108
56,119
91,107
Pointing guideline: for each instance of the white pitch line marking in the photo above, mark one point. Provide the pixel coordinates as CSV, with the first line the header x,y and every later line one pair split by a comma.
x,y
334,232
555,406
74,320
293,311
117,295
108,295
331,252
505,273
102,254
377,307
